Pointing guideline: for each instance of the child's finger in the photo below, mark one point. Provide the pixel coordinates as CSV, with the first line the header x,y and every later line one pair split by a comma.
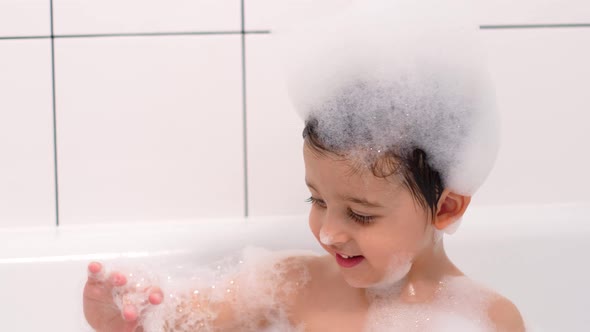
x,y
94,267
95,270
156,296
117,279
129,313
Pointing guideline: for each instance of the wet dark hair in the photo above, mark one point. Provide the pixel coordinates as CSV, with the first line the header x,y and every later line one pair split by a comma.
x,y
423,181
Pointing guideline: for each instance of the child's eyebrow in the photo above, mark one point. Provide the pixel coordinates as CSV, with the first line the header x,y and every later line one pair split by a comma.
x,y
362,202
351,198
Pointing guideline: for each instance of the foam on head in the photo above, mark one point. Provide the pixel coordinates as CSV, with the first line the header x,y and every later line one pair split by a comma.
x,y
395,76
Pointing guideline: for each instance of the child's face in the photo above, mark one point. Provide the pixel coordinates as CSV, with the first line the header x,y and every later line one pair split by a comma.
x,y
388,233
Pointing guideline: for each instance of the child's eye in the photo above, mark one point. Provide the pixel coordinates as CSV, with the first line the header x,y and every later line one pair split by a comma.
x,y
316,201
364,220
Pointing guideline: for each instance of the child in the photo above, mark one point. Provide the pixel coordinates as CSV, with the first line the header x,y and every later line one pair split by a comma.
x,y
386,270
392,157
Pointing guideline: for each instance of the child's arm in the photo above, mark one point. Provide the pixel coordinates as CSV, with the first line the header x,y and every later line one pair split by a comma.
x,y
249,300
187,312
198,311
246,300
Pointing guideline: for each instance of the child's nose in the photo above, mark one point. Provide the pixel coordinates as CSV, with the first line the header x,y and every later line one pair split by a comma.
x,y
333,233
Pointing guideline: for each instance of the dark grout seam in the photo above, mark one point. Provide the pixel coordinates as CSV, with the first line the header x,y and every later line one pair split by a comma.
x,y
24,37
244,110
535,26
243,31
54,116
140,34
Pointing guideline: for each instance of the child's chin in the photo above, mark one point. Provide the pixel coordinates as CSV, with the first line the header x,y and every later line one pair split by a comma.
x,y
356,282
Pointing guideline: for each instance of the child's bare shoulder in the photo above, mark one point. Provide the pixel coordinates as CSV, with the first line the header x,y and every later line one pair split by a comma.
x,y
310,267
504,314
312,277
501,312
317,267
307,274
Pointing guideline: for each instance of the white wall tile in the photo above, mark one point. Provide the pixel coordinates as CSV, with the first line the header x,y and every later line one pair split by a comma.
x,y
149,128
532,11
130,16
268,14
24,18
542,79
27,186
275,160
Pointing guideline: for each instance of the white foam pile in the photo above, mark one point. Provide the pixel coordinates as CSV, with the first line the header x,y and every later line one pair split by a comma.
x,y
233,292
397,75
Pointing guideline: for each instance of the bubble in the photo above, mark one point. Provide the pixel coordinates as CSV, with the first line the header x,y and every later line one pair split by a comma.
x,y
438,235
269,278
398,268
197,296
325,238
452,228
395,76
441,312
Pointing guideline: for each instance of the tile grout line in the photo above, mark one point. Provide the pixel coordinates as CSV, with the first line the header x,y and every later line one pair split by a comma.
x,y
243,31
534,26
54,115
202,33
24,37
140,34
244,114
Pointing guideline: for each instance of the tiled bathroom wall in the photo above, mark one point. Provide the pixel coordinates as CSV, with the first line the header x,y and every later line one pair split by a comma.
x,y
127,111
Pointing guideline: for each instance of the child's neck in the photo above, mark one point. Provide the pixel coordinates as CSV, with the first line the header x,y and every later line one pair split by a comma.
x,y
428,271
426,276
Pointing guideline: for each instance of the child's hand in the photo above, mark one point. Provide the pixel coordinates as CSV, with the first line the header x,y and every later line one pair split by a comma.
x,y
101,310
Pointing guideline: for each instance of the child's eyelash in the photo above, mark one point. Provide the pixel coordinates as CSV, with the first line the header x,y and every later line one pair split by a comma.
x,y
356,217
313,200
364,220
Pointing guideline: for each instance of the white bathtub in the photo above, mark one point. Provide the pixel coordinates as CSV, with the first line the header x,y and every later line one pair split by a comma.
x,y
538,256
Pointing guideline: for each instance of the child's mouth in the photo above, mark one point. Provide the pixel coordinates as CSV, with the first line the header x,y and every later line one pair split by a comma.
x,y
348,261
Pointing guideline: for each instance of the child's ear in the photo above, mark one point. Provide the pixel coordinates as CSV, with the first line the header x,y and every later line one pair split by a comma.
x,y
450,208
